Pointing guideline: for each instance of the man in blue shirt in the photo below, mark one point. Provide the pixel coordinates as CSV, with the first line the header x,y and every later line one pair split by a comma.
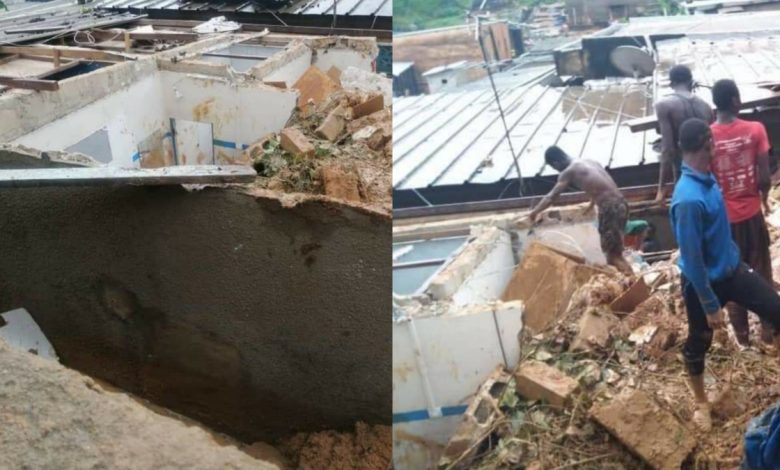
x,y
712,274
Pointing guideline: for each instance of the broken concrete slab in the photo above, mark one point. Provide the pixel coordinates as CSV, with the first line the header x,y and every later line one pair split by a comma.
x,y
651,432
545,280
538,381
79,425
333,125
596,327
293,141
340,184
370,106
314,86
116,176
477,422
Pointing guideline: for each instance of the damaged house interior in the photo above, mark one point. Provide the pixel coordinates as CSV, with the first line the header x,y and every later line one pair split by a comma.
x,y
196,200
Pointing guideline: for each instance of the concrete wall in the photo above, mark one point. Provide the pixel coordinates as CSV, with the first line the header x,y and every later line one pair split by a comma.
x,y
129,115
253,318
489,278
439,362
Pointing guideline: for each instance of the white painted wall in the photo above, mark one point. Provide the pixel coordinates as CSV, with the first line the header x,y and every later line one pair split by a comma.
x,y
342,58
439,362
291,71
579,238
240,115
489,278
129,115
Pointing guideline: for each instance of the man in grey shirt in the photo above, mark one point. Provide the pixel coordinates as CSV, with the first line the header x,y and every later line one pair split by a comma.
x,y
671,112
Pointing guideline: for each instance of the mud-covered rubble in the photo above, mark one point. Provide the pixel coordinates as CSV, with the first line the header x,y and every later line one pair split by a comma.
x,y
338,142
592,381
368,448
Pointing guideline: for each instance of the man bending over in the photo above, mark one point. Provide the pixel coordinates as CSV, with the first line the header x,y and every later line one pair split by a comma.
x,y
712,273
594,180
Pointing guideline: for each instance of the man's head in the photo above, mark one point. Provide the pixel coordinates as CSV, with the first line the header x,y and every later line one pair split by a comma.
x,y
696,140
557,158
680,76
725,95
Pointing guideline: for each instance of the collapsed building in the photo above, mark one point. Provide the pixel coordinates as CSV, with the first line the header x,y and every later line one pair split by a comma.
x,y
196,220
514,345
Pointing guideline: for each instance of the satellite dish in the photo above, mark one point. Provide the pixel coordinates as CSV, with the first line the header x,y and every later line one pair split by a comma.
x,y
632,61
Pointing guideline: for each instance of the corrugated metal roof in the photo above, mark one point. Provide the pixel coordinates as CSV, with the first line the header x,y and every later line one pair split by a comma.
x,y
343,7
701,24
401,67
52,19
746,59
299,7
457,137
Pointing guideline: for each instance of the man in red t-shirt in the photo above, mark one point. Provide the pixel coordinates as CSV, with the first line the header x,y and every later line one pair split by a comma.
x,y
741,166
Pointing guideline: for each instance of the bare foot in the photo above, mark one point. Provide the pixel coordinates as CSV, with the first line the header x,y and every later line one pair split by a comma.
x,y
702,417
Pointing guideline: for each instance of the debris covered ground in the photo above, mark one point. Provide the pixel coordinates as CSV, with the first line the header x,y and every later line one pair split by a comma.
x,y
337,143
602,388
368,448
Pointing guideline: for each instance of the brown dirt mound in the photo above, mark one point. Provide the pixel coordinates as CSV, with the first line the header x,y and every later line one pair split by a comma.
x,y
368,448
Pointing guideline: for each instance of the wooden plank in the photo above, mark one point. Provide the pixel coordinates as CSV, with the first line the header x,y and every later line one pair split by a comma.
x,y
163,36
66,66
650,122
65,52
9,58
57,58
29,83
116,176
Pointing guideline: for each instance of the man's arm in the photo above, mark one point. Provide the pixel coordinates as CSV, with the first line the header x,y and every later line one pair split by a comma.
x,y
563,182
689,228
762,162
668,145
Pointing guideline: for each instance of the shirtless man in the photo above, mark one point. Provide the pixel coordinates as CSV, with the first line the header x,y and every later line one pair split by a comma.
x,y
592,178
671,112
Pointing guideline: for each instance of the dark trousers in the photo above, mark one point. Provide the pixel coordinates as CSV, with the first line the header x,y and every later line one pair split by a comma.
x,y
746,288
752,238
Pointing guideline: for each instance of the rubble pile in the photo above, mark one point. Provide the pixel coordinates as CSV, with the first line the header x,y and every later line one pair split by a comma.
x,y
606,389
337,143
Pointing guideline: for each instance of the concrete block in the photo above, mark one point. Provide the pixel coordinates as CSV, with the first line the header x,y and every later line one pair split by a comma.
x,y
651,432
538,381
370,106
333,125
479,417
296,143
314,85
340,184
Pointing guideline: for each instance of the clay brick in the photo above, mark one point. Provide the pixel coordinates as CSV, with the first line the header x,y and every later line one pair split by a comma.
x,y
296,143
650,431
538,381
314,85
335,74
631,298
339,184
370,106
333,125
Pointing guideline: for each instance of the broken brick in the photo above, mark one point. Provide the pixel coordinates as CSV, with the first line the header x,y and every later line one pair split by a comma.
x,y
537,381
332,126
370,106
650,431
296,143
340,184
314,86
596,327
335,74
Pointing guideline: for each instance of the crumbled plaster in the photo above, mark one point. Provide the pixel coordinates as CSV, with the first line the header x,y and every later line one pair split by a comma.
x,y
295,50
19,157
366,46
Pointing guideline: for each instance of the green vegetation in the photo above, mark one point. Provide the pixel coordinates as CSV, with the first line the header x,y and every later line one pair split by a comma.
x,y
412,15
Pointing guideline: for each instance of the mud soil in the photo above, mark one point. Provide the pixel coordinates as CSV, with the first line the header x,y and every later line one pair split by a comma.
x,y
368,448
